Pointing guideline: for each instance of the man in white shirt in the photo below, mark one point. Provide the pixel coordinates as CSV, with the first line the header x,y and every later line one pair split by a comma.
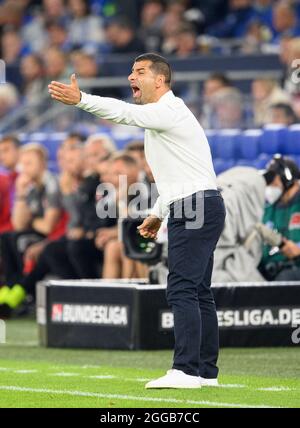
x,y
179,156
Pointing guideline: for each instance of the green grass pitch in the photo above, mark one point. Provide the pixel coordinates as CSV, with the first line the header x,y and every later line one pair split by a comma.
x,y
31,376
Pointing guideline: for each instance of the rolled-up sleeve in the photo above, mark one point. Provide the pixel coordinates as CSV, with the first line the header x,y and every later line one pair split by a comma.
x,y
155,116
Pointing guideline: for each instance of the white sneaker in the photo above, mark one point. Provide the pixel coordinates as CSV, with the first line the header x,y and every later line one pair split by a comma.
x,y
175,379
208,382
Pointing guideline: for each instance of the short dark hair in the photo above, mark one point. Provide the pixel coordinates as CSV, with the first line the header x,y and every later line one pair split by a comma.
x,y
12,138
124,157
77,135
135,145
287,110
159,65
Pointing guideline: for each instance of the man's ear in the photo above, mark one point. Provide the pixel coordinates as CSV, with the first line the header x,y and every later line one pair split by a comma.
x,y
160,80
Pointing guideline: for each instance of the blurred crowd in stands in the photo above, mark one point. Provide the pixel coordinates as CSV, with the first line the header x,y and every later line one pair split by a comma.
x,y
49,224
47,40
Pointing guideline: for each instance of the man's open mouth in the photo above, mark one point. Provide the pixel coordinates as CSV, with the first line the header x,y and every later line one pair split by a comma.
x,y
136,91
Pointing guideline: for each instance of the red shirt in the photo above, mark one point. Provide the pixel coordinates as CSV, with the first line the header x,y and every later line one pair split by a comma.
x,y
5,203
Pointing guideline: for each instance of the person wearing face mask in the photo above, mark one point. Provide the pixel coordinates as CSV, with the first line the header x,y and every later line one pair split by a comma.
x,y
282,213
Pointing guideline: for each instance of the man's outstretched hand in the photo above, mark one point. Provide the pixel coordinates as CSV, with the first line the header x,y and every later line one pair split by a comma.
x,y
150,227
67,94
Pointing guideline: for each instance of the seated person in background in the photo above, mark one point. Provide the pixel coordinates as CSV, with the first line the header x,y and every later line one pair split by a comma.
x,y
136,150
282,213
82,252
186,41
5,224
116,264
36,212
223,104
72,140
282,114
285,21
9,99
266,92
234,24
86,67
9,156
121,37
74,256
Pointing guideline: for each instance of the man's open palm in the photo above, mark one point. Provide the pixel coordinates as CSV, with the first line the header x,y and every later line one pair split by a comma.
x,y
67,94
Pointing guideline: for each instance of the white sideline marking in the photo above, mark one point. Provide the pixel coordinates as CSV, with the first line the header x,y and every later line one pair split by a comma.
x,y
231,385
64,374
127,397
28,343
89,366
277,389
101,377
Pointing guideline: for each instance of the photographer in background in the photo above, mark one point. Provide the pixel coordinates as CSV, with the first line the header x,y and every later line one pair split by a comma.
x,y
282,213
116,264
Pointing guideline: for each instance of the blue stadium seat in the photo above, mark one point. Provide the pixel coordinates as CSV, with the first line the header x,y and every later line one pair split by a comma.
x,y
38,137
121,137
250,144
52,147
221,165
262,160
24,137
297,160
227,142
273,139
212,138
49,141
244,162
292,144
122,142
52,143
53,167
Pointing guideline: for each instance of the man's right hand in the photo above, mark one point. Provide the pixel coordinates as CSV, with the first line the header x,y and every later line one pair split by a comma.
x,y
150,227
67,94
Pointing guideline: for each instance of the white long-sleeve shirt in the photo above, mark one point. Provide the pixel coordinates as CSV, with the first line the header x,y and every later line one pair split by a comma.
x,y
176,147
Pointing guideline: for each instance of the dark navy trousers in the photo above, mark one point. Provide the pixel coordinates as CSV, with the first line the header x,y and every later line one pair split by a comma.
x,y
189,294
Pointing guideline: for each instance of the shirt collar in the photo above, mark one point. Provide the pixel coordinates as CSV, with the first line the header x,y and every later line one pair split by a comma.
x,y
167,96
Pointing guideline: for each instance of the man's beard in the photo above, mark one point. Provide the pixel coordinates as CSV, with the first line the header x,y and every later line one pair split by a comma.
x,y
138,101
